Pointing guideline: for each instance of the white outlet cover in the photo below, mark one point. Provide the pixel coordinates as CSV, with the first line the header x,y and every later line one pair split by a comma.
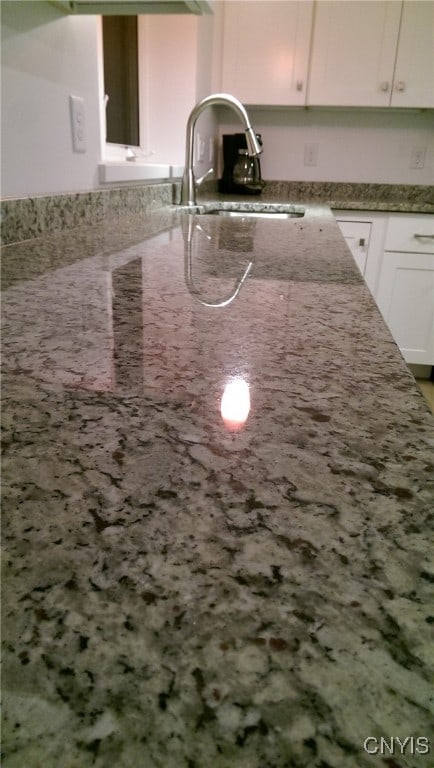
x,y
311,154
417,158
76,107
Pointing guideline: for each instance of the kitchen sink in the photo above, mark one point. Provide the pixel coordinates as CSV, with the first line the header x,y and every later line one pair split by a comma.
x,y
258,214
247,210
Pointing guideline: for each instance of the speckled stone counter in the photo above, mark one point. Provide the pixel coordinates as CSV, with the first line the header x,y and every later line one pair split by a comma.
x,y
181,593
28,217
399,198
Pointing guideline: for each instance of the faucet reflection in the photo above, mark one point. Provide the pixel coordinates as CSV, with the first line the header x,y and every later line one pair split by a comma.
x,y
188,229
188,192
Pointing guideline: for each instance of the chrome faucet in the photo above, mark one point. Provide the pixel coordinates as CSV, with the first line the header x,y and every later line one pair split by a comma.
x,y
188,191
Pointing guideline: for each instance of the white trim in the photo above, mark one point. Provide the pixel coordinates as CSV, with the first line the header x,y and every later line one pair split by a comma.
x,y
132,171
132,7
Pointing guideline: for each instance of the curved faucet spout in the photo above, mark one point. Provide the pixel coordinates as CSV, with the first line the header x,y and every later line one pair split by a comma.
x,y
188,192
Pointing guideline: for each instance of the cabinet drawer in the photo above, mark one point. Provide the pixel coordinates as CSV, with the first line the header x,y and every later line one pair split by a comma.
x,y
410,233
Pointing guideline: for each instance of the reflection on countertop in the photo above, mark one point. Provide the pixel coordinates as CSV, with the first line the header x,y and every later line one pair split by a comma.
x,y
187,589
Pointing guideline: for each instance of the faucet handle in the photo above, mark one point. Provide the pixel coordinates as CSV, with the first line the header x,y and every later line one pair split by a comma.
x,y
205,175
254,145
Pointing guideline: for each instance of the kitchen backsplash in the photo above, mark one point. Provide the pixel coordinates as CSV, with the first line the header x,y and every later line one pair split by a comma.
x,y
25,218
28,217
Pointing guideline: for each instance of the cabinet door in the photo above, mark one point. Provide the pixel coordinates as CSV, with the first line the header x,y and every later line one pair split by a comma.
x,y
414,72
357,234
353,52
405,297
266,50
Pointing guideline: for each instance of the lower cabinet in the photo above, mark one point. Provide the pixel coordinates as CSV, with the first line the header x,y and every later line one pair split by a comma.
x,y
405,292
395,253
357,235
365,234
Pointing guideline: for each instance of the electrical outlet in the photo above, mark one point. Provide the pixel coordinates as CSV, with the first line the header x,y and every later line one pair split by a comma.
x,y
76,106
311,154
417,158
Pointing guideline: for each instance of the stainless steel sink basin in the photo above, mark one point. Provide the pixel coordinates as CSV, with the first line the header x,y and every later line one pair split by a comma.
x,y
247,210
257,214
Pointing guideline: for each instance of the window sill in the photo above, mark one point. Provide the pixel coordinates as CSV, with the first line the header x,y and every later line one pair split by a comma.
x,y
112,172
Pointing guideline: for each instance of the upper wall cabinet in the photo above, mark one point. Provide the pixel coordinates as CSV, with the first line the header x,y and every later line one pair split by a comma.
x,y
266,50
413,83
373,54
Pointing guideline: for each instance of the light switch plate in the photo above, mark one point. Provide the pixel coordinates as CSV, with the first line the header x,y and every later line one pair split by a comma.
x,y
417,158
76,107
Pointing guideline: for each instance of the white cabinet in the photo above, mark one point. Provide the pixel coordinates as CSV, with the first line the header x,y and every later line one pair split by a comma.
x,y
374,54
345,53
396,258
413,83
266,47
357,235
405,293
364,233
353,53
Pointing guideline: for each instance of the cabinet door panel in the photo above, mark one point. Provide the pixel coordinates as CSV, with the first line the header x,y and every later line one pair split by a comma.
x,y
357,234
406,299
353,53
266,50
414,71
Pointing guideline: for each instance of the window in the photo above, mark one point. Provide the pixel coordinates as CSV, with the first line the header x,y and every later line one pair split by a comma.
x,y
120,56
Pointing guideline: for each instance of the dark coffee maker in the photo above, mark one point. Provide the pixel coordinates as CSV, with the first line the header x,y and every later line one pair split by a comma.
x,y
241,173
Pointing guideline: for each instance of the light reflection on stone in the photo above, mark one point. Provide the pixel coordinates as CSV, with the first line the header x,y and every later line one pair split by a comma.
x,y
235,405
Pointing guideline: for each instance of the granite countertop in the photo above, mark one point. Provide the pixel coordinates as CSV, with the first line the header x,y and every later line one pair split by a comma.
x,y
382,198
386,198
35,216
180,592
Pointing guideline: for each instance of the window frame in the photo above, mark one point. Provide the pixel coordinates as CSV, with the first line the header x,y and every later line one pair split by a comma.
x,y
110,151
120,33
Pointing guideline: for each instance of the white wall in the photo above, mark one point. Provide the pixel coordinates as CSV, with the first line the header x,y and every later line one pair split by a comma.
x,y
369,146
207,123
47,56
176,71
169,44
